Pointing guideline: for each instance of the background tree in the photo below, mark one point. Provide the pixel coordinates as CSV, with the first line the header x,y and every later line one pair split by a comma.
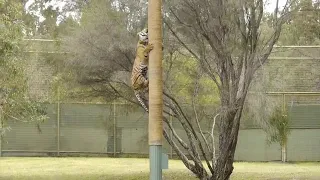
x,y
48,19
280,75
15,103
304,26
279,131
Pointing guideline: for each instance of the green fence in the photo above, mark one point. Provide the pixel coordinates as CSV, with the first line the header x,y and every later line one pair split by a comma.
x,y
122,129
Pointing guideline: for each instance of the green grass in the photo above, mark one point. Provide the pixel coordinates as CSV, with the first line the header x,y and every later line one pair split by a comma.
x,y
137,169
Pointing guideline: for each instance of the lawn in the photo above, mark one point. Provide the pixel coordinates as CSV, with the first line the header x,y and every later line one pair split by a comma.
x,y
137,169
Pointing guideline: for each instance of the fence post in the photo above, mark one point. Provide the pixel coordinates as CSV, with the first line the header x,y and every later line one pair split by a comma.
x,y
283,103
58,123
171,149
284,147
1,126
114,130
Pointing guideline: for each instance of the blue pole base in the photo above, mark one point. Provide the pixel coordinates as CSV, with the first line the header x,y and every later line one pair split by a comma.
x,y
155,157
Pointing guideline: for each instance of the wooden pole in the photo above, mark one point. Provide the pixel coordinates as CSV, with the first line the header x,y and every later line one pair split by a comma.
x,y
155,88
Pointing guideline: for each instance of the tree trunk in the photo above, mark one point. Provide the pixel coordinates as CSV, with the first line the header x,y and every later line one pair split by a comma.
x,y
284,153
228,139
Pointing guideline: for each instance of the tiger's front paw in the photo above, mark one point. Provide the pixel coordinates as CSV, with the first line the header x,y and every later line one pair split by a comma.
x,y
149,47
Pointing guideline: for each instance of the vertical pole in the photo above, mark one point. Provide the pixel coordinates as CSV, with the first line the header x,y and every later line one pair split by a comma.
x,y
114,130
283,103
171,135
1,126
58,123
284,146
155,88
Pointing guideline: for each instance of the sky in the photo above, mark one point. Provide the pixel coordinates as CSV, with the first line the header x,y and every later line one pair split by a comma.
x,y
270,7
270,4
54,3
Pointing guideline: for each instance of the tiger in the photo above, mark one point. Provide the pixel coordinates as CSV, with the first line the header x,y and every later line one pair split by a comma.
x,y
139,79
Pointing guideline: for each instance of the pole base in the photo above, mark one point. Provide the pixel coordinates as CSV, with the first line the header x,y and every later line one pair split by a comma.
x,y
155,162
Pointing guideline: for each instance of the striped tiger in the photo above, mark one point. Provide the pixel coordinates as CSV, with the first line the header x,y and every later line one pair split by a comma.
x,y
139,79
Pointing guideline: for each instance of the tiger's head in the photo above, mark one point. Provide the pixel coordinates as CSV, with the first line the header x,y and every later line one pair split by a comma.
x,y
143,35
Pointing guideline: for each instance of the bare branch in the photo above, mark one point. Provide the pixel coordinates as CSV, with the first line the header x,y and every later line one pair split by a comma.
x,y
195,111
15,118
181,142
278,22
178,38
184,159
214,159
196,88
276,10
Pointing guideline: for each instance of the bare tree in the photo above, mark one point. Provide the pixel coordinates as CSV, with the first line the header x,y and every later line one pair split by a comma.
x,y
224,36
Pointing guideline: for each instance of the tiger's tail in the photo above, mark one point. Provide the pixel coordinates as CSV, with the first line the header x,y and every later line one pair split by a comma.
x,y
141,102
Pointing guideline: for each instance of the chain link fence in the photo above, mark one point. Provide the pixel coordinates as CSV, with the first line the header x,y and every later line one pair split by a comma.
x,y
122,130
